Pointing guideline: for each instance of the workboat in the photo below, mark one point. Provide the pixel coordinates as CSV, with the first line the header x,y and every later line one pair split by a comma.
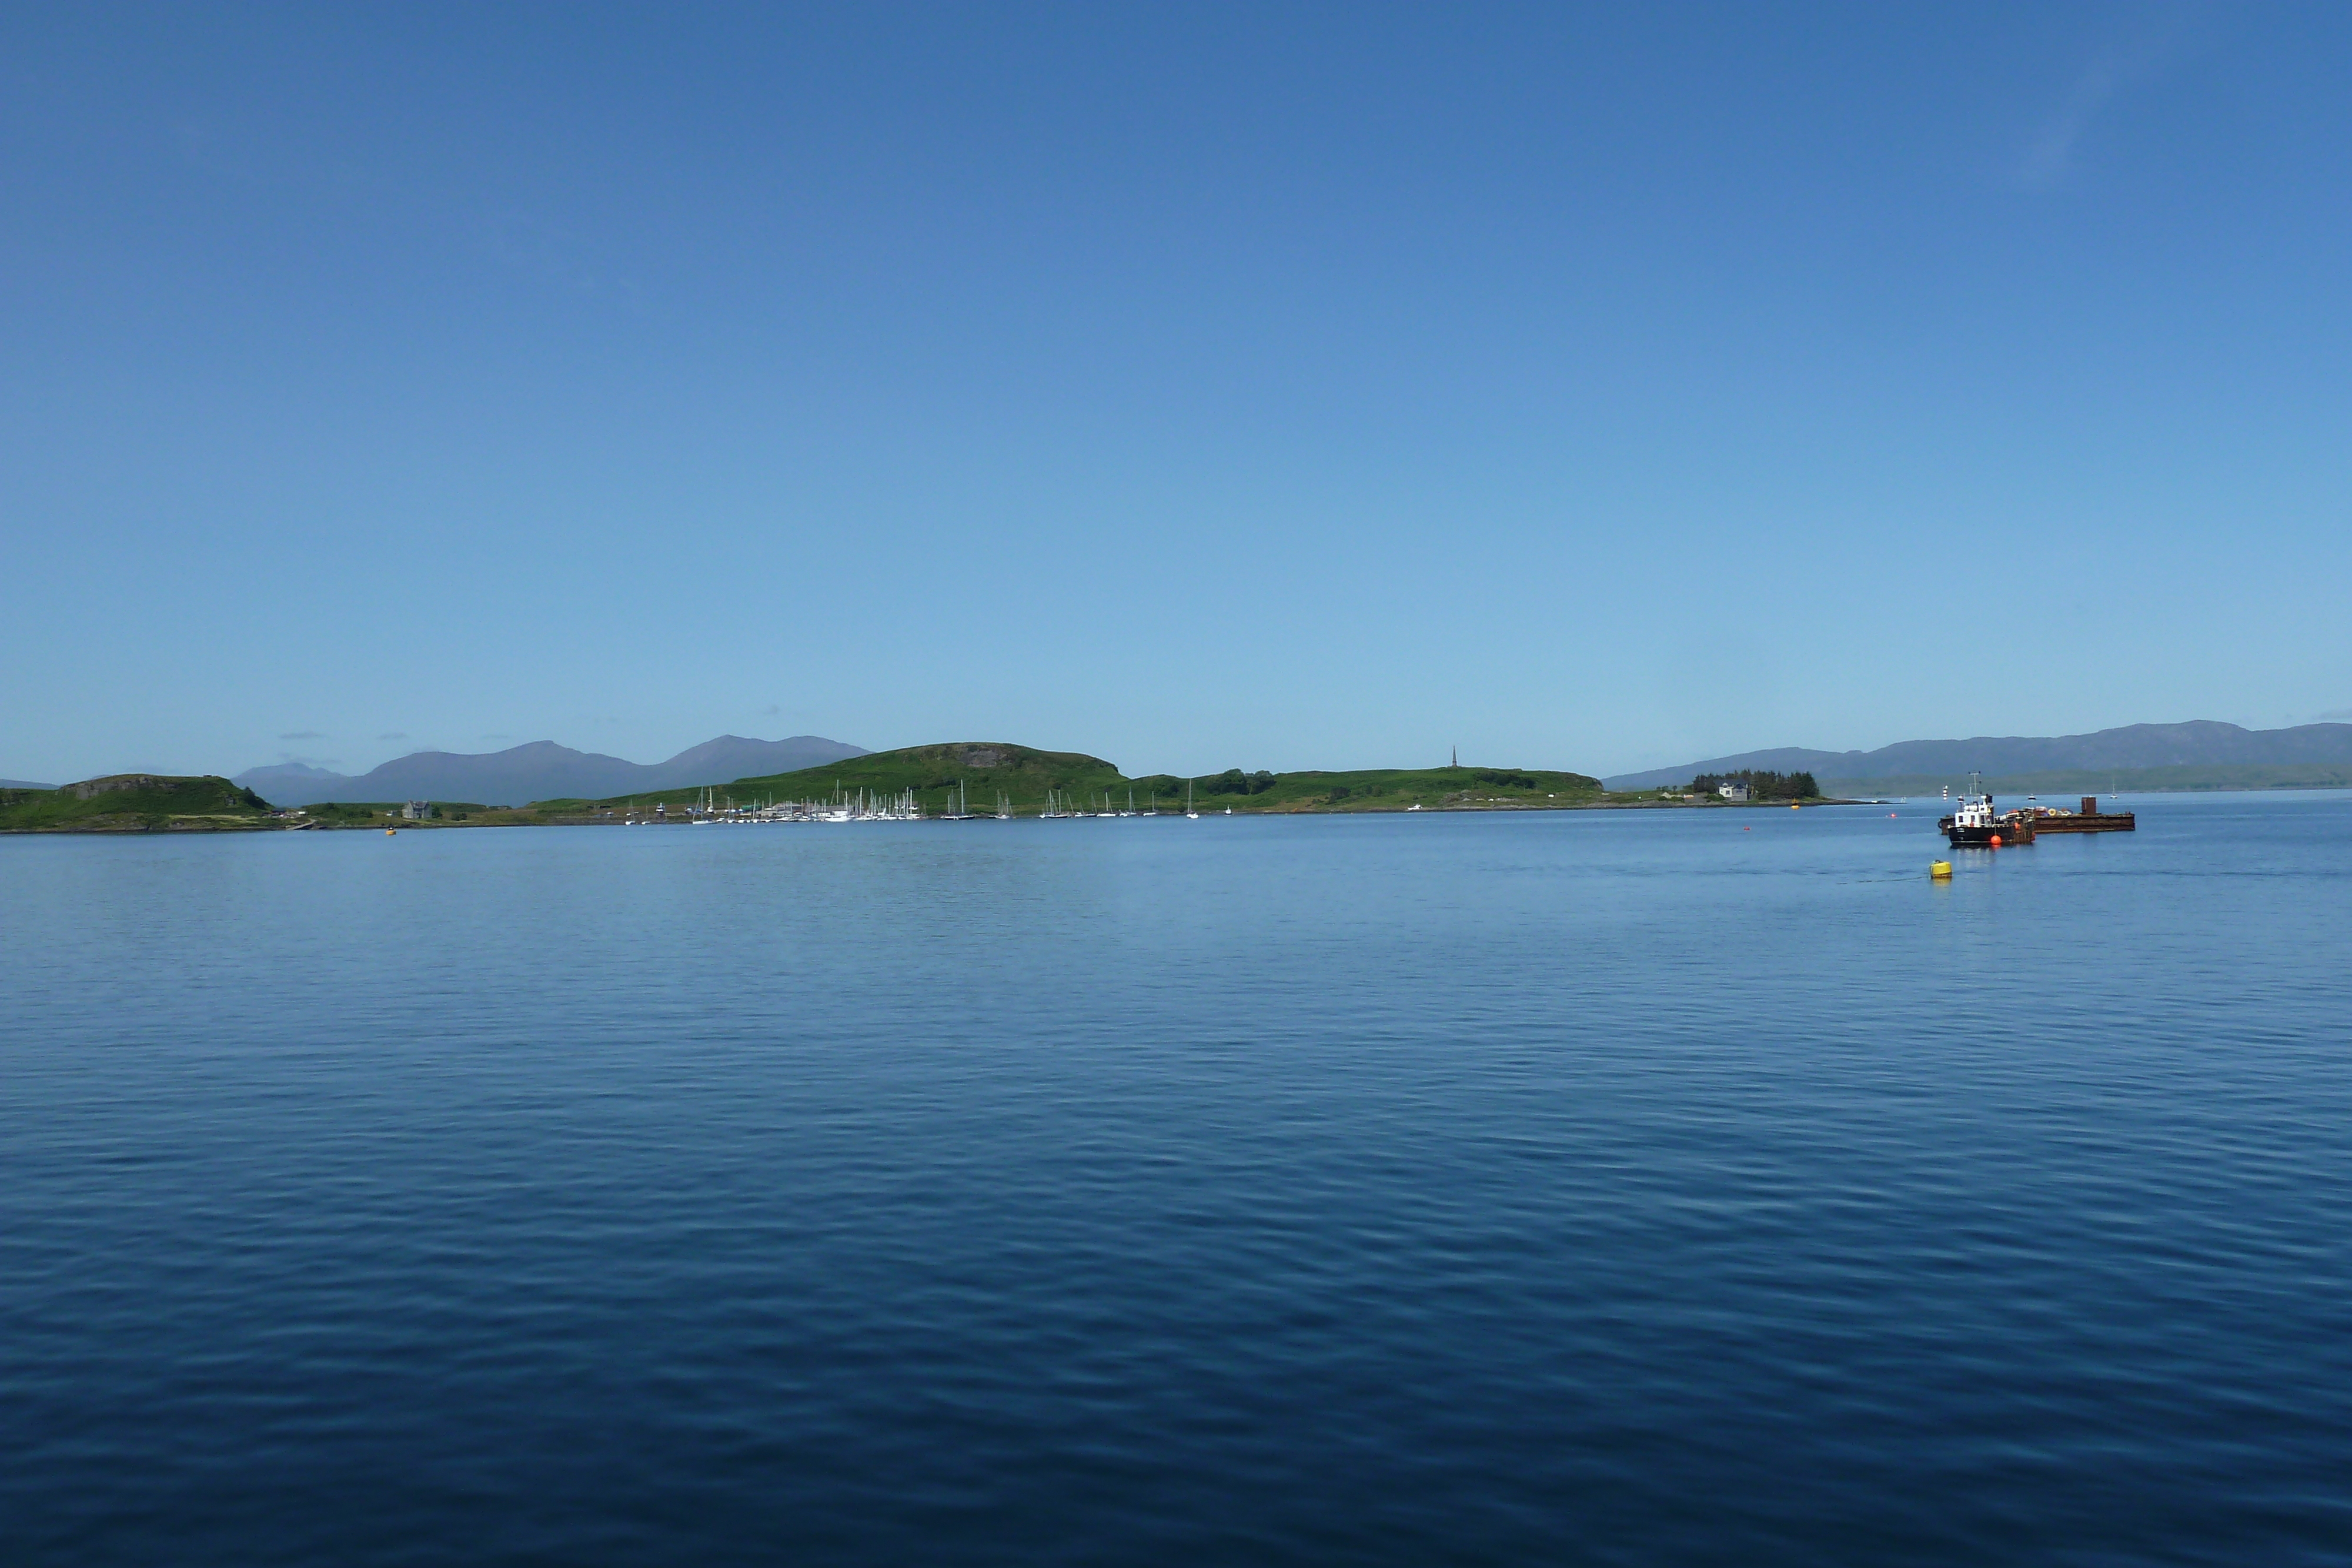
x,y
1976,825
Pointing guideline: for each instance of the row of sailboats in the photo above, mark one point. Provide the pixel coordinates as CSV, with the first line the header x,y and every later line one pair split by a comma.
x,y
1060,803
872,806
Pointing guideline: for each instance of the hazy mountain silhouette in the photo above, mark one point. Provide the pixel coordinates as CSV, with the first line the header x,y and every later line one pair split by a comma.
x,y
288,779
23,784
541,771
2203,742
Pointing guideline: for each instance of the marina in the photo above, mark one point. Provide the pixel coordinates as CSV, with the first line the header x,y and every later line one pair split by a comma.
x,y
710,809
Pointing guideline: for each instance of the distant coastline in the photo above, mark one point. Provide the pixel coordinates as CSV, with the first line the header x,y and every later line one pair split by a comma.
x,y
982,778
2203,754
2184,780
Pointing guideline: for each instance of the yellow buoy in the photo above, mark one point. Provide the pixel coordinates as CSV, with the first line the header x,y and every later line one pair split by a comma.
x,y
1940,870
388,832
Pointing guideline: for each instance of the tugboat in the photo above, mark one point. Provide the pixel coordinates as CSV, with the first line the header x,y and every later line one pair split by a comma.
x,y
1977,826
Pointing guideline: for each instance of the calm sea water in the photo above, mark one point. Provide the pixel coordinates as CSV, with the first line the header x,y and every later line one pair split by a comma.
x,y
1607,1188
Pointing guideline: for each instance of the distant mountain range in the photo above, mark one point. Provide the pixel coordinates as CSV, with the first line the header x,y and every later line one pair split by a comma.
x,y
541,771
2202,744
21,784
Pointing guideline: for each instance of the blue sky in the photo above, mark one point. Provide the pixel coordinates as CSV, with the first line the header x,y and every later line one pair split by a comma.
x,y
1594,388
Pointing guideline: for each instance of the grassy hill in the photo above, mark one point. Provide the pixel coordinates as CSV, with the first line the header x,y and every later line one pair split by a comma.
x,y
931,771
134,802
988,769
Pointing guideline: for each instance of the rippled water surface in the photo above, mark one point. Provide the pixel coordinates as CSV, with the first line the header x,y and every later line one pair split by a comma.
x,y
1611,1187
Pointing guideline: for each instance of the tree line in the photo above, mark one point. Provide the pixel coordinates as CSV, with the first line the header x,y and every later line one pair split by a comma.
x,y
1762,784
1233,781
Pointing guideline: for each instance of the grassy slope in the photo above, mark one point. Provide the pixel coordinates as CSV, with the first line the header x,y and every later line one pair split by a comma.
x,y
1024,774
133,802
1399,788
386,814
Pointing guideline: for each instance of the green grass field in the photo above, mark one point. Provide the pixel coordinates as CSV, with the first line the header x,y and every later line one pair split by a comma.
x,y
386,814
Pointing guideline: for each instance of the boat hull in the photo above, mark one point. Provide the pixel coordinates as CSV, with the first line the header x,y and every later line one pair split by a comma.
x,y
1999,835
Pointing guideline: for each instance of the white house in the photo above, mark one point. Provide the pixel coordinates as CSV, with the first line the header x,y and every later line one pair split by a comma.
x,y
1731,791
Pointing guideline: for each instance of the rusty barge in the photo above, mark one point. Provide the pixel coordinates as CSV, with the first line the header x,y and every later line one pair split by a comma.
x,y
2089,819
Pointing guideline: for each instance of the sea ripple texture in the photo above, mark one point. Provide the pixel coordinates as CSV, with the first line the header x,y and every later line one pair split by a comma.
x,y
1697,1187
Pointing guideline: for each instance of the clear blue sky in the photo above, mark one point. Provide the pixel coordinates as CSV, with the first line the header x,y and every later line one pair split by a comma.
x,y
1593,387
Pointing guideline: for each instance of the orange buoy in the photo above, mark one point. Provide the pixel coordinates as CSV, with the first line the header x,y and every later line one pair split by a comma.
x,y
1996,841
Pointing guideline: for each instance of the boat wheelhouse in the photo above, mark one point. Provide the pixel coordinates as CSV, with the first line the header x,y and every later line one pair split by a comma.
x,y
1978,825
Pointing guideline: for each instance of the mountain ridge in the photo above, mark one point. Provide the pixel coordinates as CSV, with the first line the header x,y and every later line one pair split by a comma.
x,y
2197,743
541,771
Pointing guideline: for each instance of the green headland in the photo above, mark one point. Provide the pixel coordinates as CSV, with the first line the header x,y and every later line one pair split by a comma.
x,y
136,803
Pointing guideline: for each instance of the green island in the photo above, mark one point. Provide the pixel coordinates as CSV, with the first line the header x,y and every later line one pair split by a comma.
x,y
978,776
136,803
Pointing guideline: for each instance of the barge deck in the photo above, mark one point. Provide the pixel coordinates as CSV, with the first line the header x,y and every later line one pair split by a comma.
x,y
2089,819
